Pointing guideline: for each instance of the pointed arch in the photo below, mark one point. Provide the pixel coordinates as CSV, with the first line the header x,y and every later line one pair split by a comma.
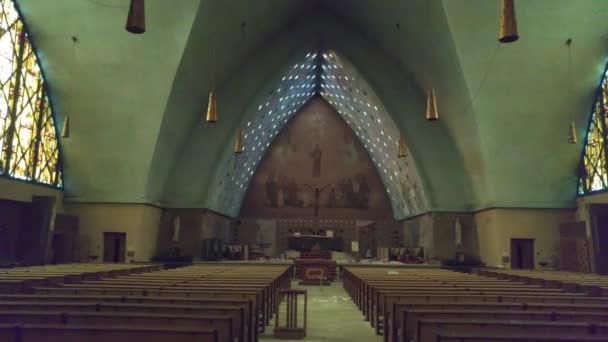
x,y
261,125
327,74
29,148
593,167
355,100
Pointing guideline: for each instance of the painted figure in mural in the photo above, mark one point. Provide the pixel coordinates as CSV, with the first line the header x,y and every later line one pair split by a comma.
x,y
364,191
332,200
349,150
318,192
355,185
281,192
347,193
272,190
316,161
291,198
353,190
354,193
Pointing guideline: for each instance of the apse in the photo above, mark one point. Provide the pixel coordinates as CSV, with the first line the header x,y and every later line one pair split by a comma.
x,y
325,73
317,167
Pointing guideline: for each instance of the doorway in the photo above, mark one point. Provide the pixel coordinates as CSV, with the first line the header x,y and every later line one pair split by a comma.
x,y
60,249
599,219
114,245
522,253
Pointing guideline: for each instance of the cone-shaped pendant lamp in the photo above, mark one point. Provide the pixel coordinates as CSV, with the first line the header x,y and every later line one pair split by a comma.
x,y
136,21
507,31
572,138
402,148
65,130
211,108
238,142
432,113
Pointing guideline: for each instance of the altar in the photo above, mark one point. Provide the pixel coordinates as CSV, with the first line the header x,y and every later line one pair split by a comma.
x,y
315,271
306,242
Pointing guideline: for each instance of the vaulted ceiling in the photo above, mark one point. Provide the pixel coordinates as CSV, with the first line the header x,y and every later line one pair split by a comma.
x,y
136,101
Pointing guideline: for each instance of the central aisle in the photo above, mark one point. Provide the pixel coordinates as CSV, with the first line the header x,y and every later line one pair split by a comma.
x,y
332,317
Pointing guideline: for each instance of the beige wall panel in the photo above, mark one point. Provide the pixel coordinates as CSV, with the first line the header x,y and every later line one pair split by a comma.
x,y
140,222
496,228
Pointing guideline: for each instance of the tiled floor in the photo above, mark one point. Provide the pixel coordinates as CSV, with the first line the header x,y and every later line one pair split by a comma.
x,y
332,317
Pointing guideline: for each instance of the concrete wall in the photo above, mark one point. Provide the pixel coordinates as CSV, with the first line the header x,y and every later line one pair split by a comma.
x,y
139,221
256,231
194,226
487,234
436,233
444,235
418,231
215,226
496,228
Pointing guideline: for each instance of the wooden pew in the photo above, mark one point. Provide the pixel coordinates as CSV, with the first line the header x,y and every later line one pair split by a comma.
x,y
249,298
118,333
593,284
257,291
400,305
387,298
428,329
223,324
410,317
268,295
19,279
227,320
223,298
259,302
489,337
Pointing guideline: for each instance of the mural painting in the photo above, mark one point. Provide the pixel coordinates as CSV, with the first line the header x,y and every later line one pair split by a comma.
x,y
316,167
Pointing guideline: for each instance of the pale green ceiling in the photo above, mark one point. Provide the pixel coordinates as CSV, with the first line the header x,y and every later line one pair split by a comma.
x,y
136,101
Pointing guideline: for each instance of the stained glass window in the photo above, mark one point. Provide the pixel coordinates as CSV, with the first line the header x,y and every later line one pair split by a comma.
x,y
28,140
593,175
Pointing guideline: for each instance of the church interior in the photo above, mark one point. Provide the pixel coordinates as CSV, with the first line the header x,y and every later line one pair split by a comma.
x,y
315,170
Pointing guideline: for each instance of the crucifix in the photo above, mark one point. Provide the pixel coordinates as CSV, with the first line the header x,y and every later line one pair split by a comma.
x,y
317,191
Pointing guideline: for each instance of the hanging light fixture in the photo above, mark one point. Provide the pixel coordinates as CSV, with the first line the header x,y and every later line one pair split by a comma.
x,y
432,113
238,142
402,153
572,138
211,108
507,31
211,115
65,130
136,21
